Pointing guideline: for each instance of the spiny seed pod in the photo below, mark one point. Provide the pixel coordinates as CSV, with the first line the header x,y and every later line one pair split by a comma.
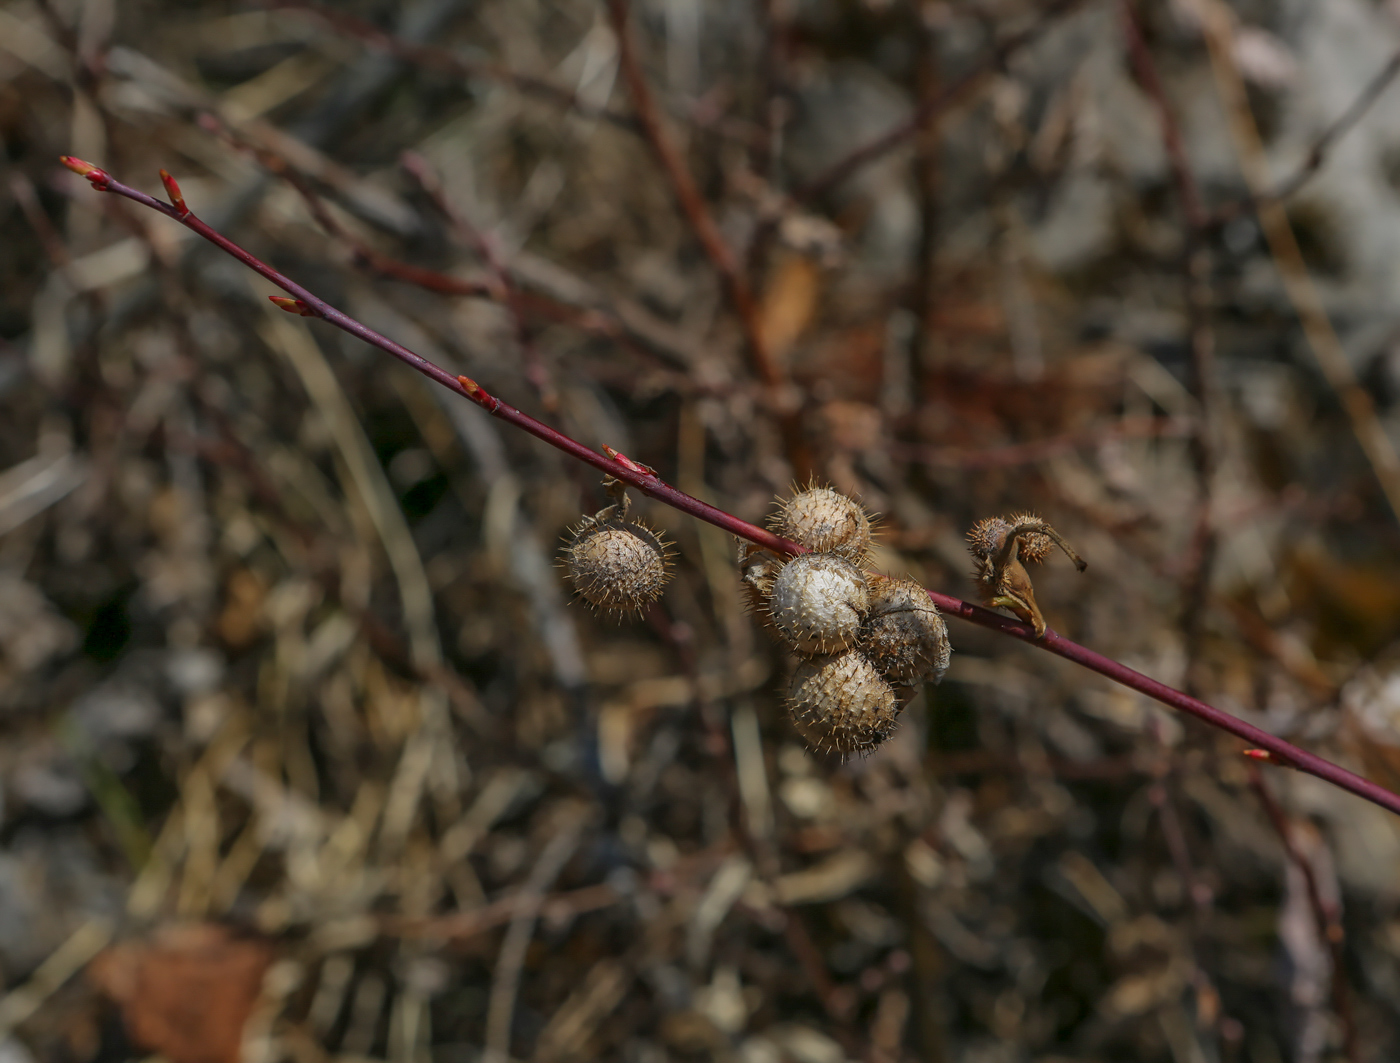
x,y
998,546
841,704
903,635
825,521
617,565
987,537
818,602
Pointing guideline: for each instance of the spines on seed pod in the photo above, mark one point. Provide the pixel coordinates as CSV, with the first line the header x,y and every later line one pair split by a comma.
x,y
616,564
998,546
825,521
817,603
841,704
903,635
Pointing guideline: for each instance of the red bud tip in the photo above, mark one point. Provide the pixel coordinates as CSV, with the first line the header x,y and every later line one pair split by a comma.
x,y
173,190
627,463
1267,757
473,388
292,306
94,174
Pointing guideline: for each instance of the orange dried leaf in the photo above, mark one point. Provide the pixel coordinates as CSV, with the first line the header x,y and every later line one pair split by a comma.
x,y
188,992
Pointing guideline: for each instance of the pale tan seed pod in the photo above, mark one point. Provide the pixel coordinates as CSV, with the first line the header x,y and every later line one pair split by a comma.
x,y
618,566
817,603
825,521
840,704
903,635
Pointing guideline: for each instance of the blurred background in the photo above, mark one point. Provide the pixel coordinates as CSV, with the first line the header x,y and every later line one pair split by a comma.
x,y
307,754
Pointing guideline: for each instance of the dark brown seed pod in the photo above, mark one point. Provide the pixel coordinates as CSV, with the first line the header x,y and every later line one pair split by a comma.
x,y
987,538
903,635
817,603
825,521
841,704
998,546
617,565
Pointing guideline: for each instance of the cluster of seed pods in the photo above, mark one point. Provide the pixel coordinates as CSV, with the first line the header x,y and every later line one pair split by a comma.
x,y
859,635
863,639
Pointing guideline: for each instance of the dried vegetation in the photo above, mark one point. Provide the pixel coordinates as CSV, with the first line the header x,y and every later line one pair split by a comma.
x,y
303,747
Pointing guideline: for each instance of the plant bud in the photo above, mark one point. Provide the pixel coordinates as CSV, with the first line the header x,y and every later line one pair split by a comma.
x,y
825,521
841,704
904,636
619,566
818,602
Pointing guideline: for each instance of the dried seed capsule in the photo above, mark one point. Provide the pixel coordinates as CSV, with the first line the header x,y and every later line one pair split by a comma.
x,y
818,602
841,704
903,635
987,538
617,565
998,546
825,521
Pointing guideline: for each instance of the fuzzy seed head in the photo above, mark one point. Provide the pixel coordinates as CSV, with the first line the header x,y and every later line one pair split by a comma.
x,y
987,537
617,566
825,521
904,636
818,602
840,704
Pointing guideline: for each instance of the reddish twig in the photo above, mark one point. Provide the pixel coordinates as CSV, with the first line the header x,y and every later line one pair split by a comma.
x,y
1196,282
1045,449
485,246
592,320
691,202
442,59
1317,154
930,109
702,223
646,480
1329,927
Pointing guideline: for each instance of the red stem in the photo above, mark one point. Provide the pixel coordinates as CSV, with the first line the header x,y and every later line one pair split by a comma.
x,y
650,484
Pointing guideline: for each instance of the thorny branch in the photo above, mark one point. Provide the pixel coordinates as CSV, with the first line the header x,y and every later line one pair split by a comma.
x,y
1269,748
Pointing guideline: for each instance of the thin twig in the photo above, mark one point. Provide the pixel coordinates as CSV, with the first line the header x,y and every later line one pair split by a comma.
x,y
646,480
588,319
442,59
930,110
1045,449
1217,23
1196,281
691,202
505,983
702,223
484,245
1316,156
1329,927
